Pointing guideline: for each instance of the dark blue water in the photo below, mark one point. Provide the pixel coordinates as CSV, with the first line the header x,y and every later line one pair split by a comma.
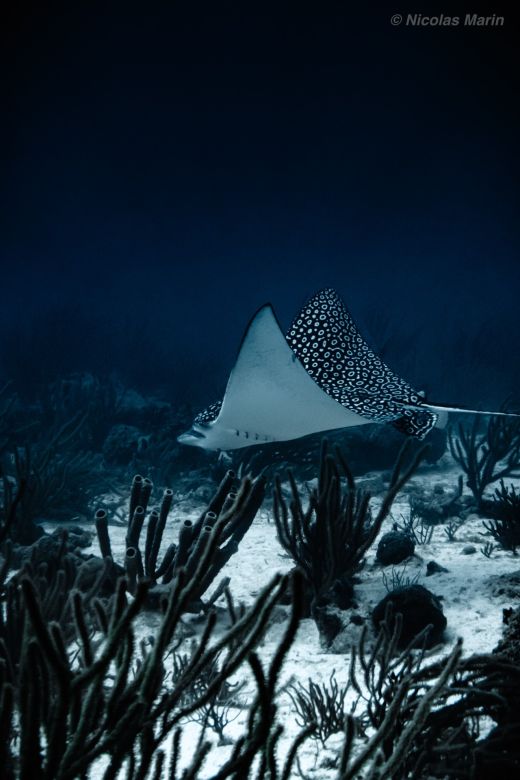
x,y
148,209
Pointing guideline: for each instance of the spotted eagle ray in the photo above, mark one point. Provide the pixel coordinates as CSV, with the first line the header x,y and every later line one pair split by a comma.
x,y
321,376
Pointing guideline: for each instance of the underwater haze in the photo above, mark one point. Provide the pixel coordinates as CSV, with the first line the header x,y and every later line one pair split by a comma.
x,y
259,394
149,209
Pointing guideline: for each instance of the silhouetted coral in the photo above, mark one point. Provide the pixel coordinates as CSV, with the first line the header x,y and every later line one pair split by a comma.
x,y
57,478
487,456
322,704
60,714
505,511
329,539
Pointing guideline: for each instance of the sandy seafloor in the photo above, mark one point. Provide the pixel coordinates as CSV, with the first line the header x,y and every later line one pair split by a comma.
x,y
472,612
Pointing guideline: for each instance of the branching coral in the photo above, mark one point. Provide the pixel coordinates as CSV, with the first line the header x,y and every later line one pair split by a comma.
x,y
76,686
484,687
323,705
50,449
398,700
97,401
220,710
505,510
415,526
64,707
329,538
59,716
54,477
398,578
488,456
55,571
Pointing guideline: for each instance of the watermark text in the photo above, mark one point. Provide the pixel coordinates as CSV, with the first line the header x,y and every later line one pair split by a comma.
x,y
443,20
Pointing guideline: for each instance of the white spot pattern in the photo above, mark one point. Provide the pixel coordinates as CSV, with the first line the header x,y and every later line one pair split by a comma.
x,y
345,367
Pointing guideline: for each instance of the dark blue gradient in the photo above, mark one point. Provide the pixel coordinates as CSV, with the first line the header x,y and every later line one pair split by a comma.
x,y
149,205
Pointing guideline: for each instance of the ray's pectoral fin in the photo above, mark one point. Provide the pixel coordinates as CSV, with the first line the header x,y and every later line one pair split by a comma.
x,y
327,341
269,395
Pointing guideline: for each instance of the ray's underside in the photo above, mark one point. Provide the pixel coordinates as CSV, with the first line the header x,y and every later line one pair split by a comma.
x,y
319,377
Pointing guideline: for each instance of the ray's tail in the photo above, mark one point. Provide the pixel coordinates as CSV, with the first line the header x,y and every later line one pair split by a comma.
x,y
460,409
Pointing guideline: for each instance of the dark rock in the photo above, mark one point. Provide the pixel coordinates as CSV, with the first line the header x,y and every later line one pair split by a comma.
x,y
419,608
469,549
433,567
394,547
